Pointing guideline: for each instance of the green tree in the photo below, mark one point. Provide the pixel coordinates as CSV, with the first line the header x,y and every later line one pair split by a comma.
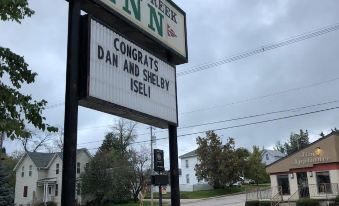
x,y
217,163
296,142
256,169
111,172
280,147
9,162
209,154
230,165
106,179
6,193
121,136
242,155
17,109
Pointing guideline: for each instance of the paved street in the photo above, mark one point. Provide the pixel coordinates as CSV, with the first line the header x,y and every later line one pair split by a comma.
x,y
235,200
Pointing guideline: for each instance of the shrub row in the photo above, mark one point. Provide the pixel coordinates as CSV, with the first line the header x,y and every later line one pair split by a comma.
x,y
303,202
258,203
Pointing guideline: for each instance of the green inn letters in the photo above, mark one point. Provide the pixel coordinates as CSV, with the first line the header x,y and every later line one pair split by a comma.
x,y
159,18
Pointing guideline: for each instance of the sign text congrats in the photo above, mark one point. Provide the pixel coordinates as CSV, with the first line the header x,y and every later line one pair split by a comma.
x,y
124,74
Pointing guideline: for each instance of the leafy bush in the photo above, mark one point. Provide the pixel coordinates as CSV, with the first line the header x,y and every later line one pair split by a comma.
x,y
308,202
258,203
265,203
336,200
252,203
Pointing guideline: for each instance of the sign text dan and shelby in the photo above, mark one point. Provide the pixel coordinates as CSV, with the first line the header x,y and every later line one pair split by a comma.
x,y
137,64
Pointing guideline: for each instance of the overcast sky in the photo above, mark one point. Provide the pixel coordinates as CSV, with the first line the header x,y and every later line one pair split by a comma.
x,y
217,29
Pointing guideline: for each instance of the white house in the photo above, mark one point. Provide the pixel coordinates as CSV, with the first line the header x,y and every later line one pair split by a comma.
x,y
270,156
187,179
189,182
39,177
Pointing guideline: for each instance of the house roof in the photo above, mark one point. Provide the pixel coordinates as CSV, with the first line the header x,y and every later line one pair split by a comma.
x,y
43,160
189,154
40,159
333,133
274,153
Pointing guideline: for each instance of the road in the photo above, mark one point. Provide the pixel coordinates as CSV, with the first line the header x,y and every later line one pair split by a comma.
x,y
234,200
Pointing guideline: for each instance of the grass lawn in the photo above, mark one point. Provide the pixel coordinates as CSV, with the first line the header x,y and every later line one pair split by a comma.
x,y
146,203
211,193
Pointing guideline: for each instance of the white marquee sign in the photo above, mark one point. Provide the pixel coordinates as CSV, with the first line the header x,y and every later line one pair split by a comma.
x,y
123,74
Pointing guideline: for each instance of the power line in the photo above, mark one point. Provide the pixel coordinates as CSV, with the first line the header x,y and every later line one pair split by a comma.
x,y
259,115
244,101
264,121
262,49
236,118
291,40
267,95
246,124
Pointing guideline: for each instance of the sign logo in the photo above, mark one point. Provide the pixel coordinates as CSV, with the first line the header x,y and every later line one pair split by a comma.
x,y
170,32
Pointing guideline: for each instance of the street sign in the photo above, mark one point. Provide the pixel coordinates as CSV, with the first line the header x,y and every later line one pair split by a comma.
x,y
124,79
158,160
159,180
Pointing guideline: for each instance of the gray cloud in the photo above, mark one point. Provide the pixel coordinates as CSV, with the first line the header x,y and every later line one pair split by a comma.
x,y
216,29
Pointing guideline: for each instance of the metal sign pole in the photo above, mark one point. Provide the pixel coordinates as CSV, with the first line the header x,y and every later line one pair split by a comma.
x,y
160,196
174,169
71,106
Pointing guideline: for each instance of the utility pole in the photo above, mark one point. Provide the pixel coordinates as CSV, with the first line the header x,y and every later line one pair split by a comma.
x,y
151,128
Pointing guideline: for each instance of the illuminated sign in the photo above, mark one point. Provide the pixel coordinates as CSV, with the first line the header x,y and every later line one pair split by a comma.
x,y
311,158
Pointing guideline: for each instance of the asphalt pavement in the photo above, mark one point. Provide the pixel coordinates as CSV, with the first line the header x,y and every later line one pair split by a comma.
x,y
235,200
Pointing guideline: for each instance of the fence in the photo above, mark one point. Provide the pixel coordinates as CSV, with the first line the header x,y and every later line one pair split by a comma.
x,y
266,193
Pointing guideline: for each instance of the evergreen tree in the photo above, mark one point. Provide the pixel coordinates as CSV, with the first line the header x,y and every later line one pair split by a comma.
x,y
121,136
6,193
296,142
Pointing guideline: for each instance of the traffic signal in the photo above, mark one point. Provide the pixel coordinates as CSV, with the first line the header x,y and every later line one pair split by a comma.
x,y
159,160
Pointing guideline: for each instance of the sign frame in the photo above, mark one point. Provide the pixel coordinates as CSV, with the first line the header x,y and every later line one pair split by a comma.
x,y
105,106
121,24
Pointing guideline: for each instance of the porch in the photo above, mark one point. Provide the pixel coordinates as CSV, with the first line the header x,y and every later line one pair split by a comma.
x,y
48,190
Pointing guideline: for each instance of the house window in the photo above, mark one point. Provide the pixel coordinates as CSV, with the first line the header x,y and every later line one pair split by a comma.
x,y
284,184
30,170
56,189
78,167
49,190
25,191
324,182
187,178
267,158
78,189
87,165
57,169
22,171
186,163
